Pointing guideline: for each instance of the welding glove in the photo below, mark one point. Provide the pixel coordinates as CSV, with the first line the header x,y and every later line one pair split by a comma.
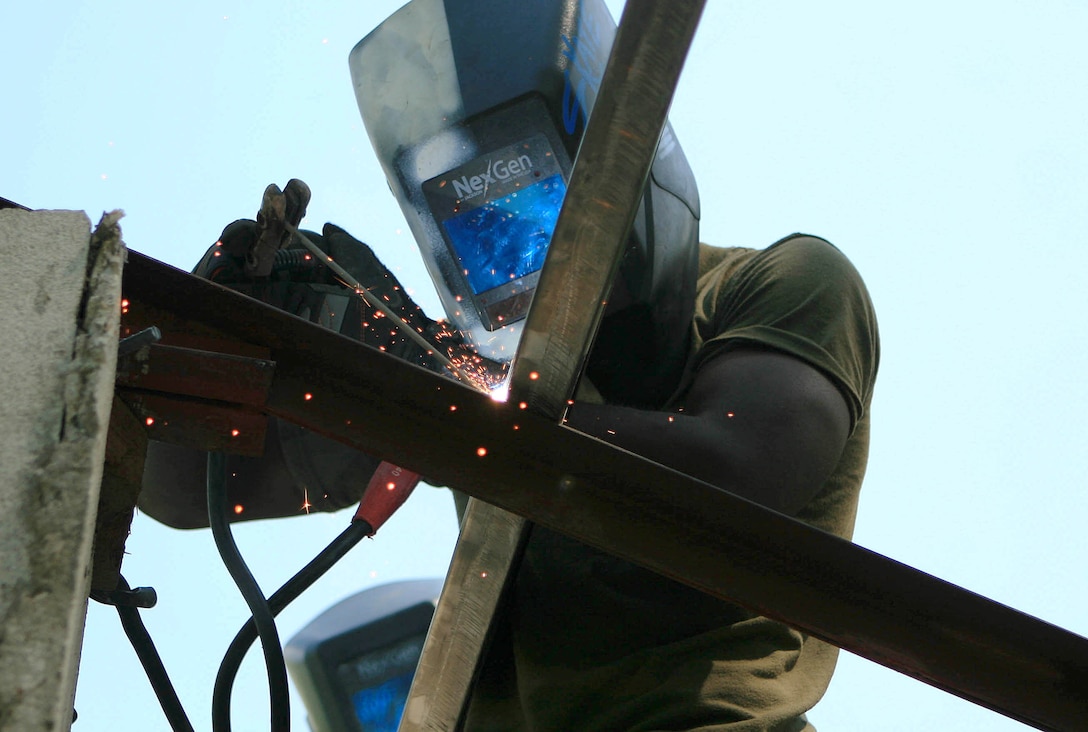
x,y
265,258
305,285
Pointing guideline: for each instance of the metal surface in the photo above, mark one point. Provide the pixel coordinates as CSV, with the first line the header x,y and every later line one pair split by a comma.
x,y
473,589
607,182
205,399
196,373
200,424
606,185
854,598
136,341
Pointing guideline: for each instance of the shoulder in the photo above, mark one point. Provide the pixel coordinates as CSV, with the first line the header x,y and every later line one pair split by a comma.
x,y
801,296
797,260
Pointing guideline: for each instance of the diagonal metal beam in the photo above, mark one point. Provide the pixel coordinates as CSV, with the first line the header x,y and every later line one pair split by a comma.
x,y
707,538
606,185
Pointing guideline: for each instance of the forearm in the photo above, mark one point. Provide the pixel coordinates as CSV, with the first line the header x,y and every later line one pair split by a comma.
x,y
689,444
756,423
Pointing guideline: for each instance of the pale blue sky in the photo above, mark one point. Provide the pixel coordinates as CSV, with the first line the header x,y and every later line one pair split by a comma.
x,y
941,145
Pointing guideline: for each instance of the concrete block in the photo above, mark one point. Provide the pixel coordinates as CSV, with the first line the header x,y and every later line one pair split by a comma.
x,y
59,318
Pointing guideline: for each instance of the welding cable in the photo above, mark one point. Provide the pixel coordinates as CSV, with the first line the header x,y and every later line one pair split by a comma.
x,y
236,652
387,490
134,628
276,668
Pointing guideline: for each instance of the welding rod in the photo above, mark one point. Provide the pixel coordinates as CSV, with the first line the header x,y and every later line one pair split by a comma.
x,y
376,303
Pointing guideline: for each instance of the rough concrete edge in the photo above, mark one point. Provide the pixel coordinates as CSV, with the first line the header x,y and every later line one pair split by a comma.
x,y
78,460
32,611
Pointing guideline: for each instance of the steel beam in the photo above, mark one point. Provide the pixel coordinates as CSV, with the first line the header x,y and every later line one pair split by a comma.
x,y
682,528
606,185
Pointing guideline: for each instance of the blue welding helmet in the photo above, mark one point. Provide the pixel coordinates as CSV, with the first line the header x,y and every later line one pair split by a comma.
x,y
476,109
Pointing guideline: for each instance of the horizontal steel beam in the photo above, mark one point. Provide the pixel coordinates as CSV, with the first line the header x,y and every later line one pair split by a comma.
x,y
705,537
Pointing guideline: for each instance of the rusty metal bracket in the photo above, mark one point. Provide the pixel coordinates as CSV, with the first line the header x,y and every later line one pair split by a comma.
x,y
197,387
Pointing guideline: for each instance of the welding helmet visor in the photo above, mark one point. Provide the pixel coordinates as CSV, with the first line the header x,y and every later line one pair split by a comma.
x,y
476,109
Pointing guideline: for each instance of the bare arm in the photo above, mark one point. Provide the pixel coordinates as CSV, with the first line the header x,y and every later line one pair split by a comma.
x,y
758,423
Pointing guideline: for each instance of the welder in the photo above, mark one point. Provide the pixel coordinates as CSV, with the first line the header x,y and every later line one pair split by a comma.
x,y
752,369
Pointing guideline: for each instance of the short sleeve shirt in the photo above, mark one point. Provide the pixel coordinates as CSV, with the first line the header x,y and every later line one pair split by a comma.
x,y
593,643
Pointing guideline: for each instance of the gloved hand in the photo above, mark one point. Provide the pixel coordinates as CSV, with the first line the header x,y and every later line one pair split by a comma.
x,y
265,259
365,269
292,278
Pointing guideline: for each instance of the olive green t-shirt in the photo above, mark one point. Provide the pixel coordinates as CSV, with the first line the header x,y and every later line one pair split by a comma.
x,y
593,643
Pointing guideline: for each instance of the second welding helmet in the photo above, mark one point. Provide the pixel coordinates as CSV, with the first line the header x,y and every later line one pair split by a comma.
x,y
476,109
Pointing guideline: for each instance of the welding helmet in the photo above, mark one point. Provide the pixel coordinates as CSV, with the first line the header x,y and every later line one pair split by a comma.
x,y
476,109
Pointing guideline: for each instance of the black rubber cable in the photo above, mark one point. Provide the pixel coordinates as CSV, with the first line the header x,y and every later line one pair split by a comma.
x,y
263,619
149,657
303,579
